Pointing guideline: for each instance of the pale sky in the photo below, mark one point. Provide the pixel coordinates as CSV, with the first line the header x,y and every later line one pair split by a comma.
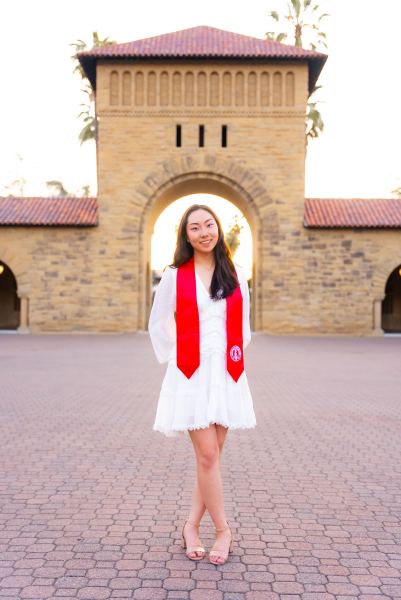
x,y
358,155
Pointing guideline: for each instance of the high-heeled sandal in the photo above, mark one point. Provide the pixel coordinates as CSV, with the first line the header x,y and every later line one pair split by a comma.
x,y
192,548
221,553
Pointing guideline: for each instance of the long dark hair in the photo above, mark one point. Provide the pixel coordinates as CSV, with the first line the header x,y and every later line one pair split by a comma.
x,y
224,280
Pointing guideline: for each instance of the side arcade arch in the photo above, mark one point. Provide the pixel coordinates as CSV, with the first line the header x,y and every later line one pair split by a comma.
x,y
380,287
17,265
184,185
391,303
10,303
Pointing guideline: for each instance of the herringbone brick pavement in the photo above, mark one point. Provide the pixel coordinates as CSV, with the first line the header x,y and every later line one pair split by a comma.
x,y
93,501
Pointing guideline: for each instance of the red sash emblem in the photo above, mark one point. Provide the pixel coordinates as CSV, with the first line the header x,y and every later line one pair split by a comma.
x,y
187,325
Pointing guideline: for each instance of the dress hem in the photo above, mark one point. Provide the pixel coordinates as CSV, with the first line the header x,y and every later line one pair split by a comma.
x,y
192,428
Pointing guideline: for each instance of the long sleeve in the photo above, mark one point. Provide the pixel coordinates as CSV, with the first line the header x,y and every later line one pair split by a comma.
x,y
246,324
161,326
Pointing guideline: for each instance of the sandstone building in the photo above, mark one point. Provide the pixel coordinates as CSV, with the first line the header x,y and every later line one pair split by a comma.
x,y
201,110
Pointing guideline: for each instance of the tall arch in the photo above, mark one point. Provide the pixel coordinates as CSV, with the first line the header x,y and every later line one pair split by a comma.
x,y
227,179
207,183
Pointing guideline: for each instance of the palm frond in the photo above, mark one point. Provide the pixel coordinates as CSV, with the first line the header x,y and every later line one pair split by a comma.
x,y
87,114
88,132
297,6
314,122
275,37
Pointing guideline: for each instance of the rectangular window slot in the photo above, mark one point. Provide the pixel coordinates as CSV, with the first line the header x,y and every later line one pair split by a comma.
x,y
224,136
201,136
178,136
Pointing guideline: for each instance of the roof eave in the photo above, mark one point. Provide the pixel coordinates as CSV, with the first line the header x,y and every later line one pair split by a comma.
x,y
315,66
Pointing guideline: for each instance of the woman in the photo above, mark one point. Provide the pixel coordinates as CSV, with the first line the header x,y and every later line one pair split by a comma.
x,y
199,324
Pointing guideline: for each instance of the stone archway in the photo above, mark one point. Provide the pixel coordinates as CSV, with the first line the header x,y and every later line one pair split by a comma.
x,y
391,304
211,175
380,280
22,286
9,300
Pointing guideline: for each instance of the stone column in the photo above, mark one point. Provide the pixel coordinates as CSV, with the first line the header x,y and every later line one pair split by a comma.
x,y
23,328
377,317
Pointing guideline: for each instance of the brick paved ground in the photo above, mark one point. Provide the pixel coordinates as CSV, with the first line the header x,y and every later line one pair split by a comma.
x,y
92,500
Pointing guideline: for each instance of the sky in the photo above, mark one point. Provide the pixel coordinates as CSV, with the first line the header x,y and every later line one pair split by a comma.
x,y
358,155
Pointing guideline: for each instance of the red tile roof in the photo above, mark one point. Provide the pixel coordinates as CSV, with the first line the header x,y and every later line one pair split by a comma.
x,y
318,212
375,213
203,42
48,211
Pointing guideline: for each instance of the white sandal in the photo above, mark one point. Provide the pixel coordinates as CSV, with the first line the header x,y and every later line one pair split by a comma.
x,y
192,548
221,553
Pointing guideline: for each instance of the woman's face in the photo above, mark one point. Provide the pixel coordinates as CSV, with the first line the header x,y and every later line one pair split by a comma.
x,y
202,231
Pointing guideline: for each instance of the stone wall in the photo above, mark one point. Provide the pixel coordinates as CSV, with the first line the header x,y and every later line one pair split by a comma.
x,y
333,284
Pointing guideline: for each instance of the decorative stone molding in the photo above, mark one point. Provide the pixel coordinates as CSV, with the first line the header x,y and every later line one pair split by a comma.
x,y
201,86
269,113
235,175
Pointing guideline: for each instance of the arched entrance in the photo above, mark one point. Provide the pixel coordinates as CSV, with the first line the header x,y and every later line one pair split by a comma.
x,y
185,185
391,304
10,304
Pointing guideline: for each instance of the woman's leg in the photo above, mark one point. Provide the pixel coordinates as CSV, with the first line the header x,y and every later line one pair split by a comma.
x,y
198,506
221,433
207,453
213,437
208,444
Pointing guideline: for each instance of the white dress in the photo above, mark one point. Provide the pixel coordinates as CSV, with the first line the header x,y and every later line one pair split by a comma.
x,y
211,395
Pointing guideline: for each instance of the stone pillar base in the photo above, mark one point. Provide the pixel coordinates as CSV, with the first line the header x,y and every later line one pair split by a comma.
x,y
377,317
23,329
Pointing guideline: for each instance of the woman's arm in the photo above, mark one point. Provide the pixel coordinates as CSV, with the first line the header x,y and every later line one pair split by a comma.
x,y
162,328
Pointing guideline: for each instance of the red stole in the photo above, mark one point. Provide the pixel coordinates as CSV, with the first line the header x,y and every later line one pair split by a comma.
x,y
187,325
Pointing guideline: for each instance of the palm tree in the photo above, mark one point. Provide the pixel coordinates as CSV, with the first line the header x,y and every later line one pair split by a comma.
x,y
303,19
232,236
19,182
314,121
88,114
397,191
58,188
